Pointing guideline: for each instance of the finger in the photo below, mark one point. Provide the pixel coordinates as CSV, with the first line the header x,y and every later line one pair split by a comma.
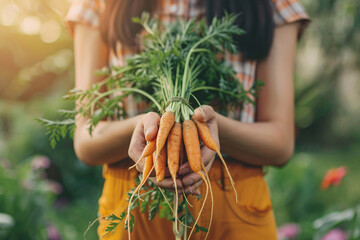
x,y
207,155
167,183
204,114
193,188
151,122
191,179
137,143
140,165
184,169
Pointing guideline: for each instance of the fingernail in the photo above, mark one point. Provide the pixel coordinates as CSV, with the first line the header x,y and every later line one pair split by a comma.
x,y
196,193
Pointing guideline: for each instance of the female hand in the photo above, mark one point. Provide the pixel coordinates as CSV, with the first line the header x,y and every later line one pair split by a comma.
x,y
146,130
192,181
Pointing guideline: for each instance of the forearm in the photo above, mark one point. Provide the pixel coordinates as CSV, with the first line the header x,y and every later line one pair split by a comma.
x,y
260,143
270,140
108,143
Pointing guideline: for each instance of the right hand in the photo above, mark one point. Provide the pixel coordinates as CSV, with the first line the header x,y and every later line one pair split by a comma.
x,y
146,130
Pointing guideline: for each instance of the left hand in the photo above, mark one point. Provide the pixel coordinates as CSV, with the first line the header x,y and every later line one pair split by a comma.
x,y
192,181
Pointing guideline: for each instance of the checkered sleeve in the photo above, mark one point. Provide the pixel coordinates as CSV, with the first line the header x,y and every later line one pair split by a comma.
x,y
85,12
289,11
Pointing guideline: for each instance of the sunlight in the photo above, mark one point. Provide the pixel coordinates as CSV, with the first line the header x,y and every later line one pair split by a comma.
x,y
50,31
9,15
31,25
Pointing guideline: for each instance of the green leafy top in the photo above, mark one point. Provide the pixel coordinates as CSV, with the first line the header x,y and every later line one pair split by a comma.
x,y
178,69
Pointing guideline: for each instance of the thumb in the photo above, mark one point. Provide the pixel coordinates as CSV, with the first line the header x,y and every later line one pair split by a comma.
x,y
204,114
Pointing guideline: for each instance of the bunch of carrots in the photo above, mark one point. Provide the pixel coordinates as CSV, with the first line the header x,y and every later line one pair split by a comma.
x,y
177,70
165,150
175,84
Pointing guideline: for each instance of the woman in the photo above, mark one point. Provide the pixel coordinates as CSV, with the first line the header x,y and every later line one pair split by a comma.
x,y
103,34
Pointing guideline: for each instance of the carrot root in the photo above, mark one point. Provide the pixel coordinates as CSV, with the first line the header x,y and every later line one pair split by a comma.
x,y
148,150
203,205
148,168
186,198
212,201
209,142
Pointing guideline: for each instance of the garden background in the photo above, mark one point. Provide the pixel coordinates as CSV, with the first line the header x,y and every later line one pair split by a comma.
x,y
47,193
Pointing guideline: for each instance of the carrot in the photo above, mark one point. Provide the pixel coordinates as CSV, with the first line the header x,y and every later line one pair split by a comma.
x,y
192,145
173,149
148,167
206,138
193,152
148,150
174,143
166,122
160,165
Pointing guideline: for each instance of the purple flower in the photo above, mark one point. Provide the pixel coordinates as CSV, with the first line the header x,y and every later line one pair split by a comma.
x,y
53,233
288,231
335,234
39,162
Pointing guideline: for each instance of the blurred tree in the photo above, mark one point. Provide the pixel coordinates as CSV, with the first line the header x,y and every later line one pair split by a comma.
x,y
328,74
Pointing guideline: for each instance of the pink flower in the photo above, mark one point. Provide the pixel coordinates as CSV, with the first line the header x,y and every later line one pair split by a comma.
x,y
288,231
333,177
55,187
39,162
335,234
53,233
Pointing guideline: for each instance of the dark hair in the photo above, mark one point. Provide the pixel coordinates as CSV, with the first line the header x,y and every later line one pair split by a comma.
x,y
116,21
255,17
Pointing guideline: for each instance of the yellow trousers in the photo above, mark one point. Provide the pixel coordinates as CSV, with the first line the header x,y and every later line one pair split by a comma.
x,y
250,218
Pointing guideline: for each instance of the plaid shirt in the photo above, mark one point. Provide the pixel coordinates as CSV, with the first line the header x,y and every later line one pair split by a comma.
x,y
285,11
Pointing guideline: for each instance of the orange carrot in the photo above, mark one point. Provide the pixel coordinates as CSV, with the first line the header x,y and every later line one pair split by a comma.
x,y
148,150
174,143
193,152
205,136
192,145
173,149
148,167
160,165
166,122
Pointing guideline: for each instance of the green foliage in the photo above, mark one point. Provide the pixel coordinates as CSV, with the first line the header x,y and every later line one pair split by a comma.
x,y
57,129
347,219
296,193
327,86
23,138
27,197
